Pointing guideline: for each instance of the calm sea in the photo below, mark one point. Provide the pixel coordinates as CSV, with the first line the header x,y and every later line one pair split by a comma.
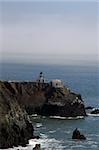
x,y
56,133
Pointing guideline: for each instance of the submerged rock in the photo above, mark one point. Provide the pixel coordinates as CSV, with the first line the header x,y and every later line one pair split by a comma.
x,y
78,135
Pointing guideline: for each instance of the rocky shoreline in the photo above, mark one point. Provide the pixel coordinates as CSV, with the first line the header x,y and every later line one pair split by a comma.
x,y
18,99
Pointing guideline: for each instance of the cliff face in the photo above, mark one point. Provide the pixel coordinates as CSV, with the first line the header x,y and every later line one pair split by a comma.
x,y
17,98
62,102
45,100
15,127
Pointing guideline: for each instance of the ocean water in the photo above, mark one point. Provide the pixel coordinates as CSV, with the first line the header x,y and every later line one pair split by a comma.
x,y
56,133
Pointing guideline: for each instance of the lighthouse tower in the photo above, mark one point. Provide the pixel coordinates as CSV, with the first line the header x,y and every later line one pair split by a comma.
x,y
41,78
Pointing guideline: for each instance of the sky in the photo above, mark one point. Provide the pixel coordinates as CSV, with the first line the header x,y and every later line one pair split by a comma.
x,y
49,32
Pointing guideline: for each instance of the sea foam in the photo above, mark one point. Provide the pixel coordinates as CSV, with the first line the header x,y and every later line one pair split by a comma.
x,y
68,118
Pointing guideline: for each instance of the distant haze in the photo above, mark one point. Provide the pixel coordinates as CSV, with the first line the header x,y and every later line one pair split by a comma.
x,y
49,32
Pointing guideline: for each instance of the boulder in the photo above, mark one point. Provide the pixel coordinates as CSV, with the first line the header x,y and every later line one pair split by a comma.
x,y
95,111
78,135
37,147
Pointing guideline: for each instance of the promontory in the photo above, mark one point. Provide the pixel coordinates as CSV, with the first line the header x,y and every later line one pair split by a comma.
x,y
18,99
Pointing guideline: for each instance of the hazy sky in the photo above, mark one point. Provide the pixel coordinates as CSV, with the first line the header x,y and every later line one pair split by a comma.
x,y
48,32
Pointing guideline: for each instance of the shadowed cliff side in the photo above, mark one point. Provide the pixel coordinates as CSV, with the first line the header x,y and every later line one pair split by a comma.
x,y
15,127
62,102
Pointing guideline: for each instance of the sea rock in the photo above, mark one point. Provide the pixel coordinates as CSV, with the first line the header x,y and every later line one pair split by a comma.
x,y
95,111
77,135
15,126
37,147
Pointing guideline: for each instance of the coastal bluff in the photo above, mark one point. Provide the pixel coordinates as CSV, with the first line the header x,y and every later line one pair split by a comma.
x,y
19,98
44,99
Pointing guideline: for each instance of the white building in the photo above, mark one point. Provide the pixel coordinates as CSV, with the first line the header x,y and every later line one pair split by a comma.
x,y
56,83
41,78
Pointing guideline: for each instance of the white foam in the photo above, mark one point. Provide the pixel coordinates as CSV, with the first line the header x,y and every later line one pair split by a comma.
x,y
34,115
20,148
38,125
95,109
57,117
70,118
44,136
52,131
46,143
93,115
80,117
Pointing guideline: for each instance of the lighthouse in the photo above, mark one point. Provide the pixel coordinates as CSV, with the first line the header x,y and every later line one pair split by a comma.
x,y
41,78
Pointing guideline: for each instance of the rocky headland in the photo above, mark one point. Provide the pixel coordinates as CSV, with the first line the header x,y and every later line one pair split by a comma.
x,y
17,99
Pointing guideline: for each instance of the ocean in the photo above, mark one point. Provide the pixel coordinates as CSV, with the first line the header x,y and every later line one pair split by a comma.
x,y
56,133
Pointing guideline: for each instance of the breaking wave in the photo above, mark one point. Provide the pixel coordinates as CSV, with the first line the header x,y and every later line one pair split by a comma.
x,y
93,115
70,118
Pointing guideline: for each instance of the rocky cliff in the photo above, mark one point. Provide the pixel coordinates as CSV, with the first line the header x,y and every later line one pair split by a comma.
x,y
62,102
15,127
43,99
19,98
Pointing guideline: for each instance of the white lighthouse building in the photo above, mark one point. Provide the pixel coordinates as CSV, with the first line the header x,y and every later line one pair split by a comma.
x,y
41,78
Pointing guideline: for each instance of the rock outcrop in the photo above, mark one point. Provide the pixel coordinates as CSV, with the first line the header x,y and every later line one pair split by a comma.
x,y
37,147
95,111
43,99
77,135
62,102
